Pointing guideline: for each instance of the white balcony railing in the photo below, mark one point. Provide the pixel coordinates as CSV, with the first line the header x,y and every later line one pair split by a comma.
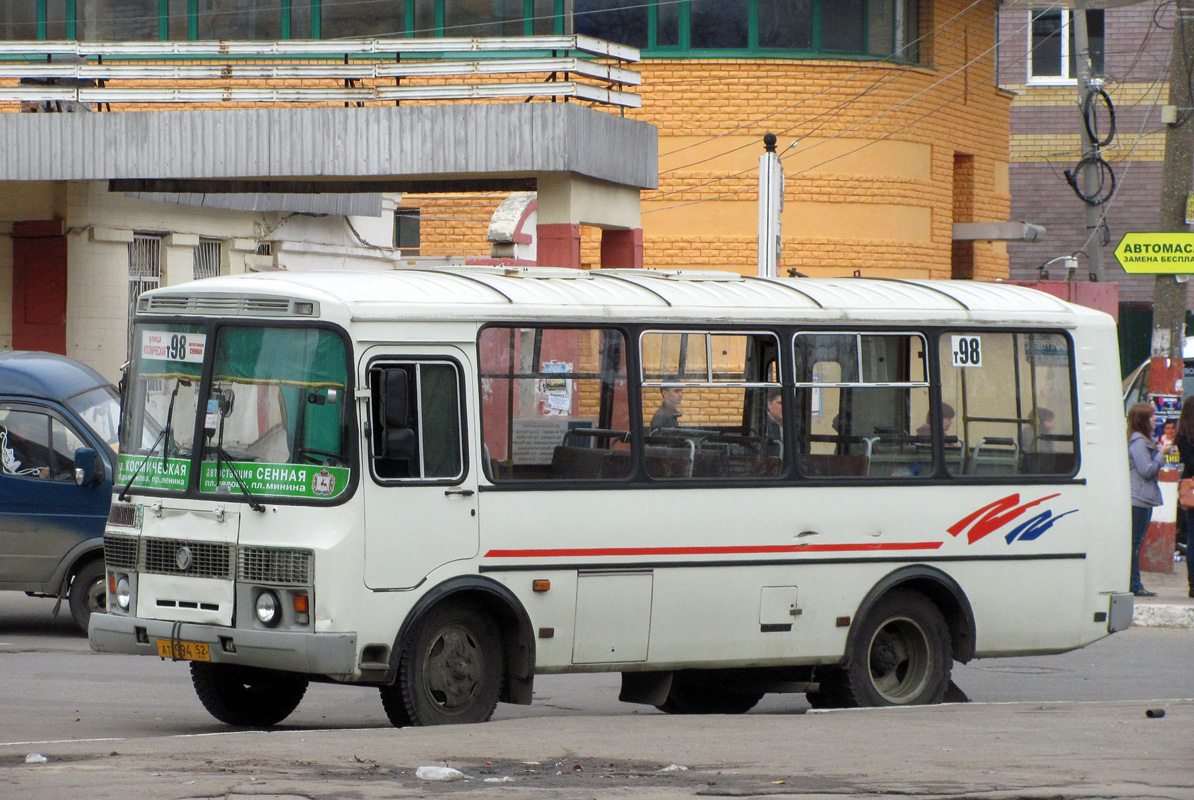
x,y
45,75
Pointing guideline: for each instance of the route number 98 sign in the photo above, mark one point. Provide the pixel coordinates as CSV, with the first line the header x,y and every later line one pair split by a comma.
x,y
967,351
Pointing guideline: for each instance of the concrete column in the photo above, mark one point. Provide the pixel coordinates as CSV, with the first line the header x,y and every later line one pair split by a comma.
x,y
622,248
558,245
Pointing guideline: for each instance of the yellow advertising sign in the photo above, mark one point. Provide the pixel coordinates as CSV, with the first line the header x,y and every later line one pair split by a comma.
x,y
1156,253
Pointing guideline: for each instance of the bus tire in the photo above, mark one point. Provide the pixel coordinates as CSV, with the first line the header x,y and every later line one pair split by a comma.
x,y
900,655
249,696
88,593
451,670
686,697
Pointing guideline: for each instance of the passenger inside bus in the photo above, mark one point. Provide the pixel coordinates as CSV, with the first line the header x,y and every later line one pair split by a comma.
x,y
1035,438
669,413
774,424
947,419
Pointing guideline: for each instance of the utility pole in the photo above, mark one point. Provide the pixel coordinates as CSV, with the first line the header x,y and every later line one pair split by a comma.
x,y
771,204
1090,148
1169,294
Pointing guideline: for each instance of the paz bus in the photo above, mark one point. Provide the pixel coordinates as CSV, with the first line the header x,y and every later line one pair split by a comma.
x,y
442,483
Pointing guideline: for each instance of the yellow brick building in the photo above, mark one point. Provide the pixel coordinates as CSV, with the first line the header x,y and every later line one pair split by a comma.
x,y
881,156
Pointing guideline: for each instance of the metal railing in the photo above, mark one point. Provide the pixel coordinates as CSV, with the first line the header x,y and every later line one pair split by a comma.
x,y
359,71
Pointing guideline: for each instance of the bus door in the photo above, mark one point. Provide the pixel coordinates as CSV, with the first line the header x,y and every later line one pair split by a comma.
x,y
421,495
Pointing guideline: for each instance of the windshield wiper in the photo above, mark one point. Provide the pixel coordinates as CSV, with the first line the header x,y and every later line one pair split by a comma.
x,y
169,429
166,435
221,454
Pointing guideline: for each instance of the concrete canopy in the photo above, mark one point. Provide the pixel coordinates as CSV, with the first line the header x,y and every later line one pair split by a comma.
x,y
434,148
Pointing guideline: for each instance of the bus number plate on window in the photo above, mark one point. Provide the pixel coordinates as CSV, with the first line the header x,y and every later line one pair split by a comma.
x,y
187,651
967,351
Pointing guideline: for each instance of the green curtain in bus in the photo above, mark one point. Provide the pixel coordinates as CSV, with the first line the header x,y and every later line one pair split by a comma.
x,y
302,357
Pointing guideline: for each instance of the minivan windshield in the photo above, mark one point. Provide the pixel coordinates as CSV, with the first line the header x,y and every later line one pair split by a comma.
x,y
100,409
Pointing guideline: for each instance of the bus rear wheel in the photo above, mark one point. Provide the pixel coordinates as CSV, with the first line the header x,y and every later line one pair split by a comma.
x,y
451,669
236,695
899,656
689,697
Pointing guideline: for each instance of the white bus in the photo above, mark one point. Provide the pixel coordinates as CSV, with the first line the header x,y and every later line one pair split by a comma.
x,y
441,483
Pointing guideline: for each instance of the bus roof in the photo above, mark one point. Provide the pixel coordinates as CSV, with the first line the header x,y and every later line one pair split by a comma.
x,y
510,293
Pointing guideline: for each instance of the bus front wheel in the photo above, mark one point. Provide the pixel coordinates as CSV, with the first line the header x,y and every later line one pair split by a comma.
x,y
899,656
451,669
249,696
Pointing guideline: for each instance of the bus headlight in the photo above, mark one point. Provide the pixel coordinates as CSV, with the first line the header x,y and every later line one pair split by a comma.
x,y
268,608
123,593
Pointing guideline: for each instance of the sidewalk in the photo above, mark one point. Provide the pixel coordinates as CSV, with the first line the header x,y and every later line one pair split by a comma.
x,y
1172,607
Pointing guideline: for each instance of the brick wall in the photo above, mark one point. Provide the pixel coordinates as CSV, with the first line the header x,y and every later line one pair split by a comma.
x,y
712,114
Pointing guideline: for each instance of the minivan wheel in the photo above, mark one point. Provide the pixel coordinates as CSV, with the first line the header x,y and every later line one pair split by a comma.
x,y
88,594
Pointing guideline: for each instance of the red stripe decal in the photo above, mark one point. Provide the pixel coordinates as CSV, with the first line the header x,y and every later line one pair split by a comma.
x,y
712,551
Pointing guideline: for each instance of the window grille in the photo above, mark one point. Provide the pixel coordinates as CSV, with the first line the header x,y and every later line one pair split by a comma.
x,y
145,271
207,259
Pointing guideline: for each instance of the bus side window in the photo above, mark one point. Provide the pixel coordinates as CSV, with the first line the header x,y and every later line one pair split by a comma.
x,y
417,431
861,399
712,404
556,406
1014,398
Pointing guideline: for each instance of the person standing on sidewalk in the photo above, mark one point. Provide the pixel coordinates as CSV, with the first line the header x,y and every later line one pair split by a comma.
x,y
1145,459
1185,447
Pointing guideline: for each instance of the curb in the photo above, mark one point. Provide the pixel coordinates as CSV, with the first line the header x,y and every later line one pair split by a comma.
x,y
1163,616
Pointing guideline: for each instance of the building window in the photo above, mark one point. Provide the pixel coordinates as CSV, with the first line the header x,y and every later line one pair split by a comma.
x,y
112,20
406,231
339,18
145,269
783,28
207,258
18,21
1052,53
621,21
887,28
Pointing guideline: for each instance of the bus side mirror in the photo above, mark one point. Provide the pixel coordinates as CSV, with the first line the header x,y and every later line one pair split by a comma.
x,y
393,395
89,469
397,440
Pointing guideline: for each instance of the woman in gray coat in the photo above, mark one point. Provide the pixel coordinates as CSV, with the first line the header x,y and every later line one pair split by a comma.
x,y
1144,462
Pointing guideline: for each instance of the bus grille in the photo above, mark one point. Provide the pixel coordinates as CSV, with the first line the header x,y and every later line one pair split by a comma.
x,y
274,565
227,306
200,559
123,515
120,552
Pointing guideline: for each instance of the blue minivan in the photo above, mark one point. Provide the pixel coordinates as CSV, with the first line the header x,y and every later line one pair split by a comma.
x,y
58,434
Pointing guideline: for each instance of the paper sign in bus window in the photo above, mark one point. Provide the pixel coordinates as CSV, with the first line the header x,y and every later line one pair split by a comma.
x,y
966,351
173,346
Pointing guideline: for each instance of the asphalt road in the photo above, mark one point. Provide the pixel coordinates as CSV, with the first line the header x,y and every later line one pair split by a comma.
x,y
1071,725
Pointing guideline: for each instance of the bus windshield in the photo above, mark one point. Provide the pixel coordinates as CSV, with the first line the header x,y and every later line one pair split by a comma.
x,y
272,420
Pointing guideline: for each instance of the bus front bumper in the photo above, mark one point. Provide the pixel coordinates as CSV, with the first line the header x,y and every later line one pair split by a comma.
x,y
332,654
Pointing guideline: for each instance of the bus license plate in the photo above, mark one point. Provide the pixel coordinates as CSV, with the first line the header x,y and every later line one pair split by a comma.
x,y
186,651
